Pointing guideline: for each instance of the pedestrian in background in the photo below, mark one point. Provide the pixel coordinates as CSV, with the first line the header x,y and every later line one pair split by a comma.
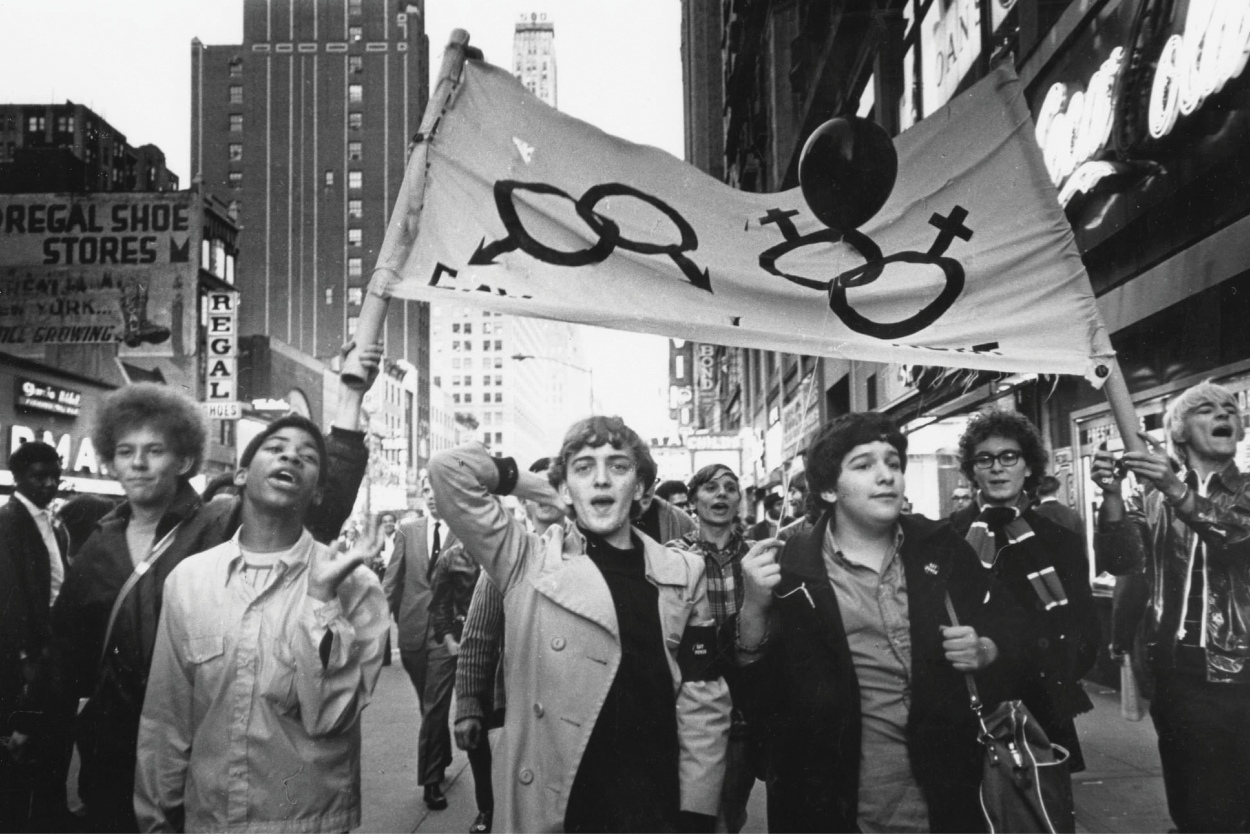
x,y
267,652
1049,505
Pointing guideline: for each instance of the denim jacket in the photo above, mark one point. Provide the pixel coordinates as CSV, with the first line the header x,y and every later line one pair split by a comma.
x,y
1160,541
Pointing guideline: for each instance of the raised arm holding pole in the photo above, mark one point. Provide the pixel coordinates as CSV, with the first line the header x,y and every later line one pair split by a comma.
x,y
405,219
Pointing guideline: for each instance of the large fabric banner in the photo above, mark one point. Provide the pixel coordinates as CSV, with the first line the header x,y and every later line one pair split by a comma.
x,y
970,263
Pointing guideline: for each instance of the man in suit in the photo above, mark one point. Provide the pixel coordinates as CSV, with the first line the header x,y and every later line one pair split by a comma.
x,y
32,568
418,544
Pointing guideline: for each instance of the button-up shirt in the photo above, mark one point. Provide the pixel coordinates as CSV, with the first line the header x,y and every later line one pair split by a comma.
x,y
43,520
251,718
724,571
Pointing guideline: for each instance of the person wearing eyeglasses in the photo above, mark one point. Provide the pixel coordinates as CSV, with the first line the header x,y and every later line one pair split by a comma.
x,y
1041,563
618,716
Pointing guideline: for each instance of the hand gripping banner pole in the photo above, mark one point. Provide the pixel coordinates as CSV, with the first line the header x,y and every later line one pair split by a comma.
x,y
406,217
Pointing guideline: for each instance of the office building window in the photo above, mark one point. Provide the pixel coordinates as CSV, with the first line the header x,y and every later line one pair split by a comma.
x,y
236,93
355,209
455,398
354,151
355,179
498,379
486,438
355,295
498,396
498,361
355,64
64,124
236,151
468,327
455,380
499,344
485,344
355,121
355,93
355,266
468,398
36,124
236,122
499,437
486,380
438,381
455,327
236,67
355,33
352,322
236,179
354,237
329,178
455,346
329,296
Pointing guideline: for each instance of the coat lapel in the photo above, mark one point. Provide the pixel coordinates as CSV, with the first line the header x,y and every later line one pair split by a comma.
x,y
805,586
579,587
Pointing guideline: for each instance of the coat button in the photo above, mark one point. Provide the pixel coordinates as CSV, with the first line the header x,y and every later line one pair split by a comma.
x,y
558,643
525,776
539,711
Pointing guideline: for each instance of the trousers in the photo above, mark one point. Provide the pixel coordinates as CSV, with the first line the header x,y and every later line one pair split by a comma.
x,y
434,741
1204,746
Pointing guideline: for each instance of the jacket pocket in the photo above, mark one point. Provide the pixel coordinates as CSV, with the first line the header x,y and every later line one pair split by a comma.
x,y
201,650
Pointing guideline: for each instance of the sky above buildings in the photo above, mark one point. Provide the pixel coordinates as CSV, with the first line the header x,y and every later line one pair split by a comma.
x,y
129,60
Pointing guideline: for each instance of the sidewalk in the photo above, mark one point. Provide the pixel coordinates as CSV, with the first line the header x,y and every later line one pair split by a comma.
x,y
1120,791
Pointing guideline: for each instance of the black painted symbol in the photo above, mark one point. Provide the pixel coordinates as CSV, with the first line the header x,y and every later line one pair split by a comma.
x,y
607,231
949,228
441,269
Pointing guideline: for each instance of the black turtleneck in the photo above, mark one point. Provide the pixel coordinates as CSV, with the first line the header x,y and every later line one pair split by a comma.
x,y
628,776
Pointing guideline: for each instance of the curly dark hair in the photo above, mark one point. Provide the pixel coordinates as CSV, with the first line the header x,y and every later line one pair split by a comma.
x,y
596,431
837,438
1009,425
159,407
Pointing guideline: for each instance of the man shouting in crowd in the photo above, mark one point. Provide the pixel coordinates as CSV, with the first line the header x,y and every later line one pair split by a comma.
x,y
617,717
268,649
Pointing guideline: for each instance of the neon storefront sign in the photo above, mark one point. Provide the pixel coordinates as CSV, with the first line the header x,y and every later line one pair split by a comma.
x,y
1074,124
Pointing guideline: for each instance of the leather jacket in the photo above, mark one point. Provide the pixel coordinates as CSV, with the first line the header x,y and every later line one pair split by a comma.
x,y
1158,540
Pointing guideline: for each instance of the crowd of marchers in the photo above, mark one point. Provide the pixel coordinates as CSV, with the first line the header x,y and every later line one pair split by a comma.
x,y
622,654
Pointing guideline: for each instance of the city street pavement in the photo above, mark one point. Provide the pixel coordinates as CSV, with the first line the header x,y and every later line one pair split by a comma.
x,y
1120,791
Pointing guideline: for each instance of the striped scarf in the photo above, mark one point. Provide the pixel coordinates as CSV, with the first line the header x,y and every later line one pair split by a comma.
x,y
997,527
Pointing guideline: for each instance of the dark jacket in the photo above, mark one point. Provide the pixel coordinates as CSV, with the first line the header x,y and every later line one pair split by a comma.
x,y
25,588
452,585
805,691
1155,539
108,726
1059,645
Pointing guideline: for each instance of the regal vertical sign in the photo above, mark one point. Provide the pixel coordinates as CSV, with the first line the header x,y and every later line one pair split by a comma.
x,y
221,394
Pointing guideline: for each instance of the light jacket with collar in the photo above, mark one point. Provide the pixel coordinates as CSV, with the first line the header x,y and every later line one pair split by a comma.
x,y
408,581
251,721
1159,540
563,648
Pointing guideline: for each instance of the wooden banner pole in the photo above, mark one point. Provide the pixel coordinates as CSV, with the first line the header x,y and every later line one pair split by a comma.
x,y
1116,391
406,217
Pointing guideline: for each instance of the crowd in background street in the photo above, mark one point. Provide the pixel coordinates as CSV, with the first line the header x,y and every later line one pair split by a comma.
x,y
615,653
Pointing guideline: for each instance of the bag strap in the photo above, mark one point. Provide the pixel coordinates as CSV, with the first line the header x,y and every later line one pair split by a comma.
x,y
135,575
973,695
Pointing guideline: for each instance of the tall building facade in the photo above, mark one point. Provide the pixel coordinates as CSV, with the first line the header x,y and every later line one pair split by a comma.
x,y
515,383
304,127
70,149
534,56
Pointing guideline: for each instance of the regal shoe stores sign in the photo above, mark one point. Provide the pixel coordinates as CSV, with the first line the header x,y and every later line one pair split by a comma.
x,y
98,269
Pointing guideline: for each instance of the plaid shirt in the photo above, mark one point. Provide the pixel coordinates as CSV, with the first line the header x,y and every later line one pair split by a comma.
x,y
724,571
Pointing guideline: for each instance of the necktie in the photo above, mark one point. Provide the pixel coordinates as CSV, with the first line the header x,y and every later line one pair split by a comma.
x,y
434,549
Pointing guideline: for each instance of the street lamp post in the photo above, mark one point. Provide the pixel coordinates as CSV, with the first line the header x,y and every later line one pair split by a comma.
x,y
521,357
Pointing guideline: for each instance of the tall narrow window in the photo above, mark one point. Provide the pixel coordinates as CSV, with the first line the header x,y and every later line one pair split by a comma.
x,y
355,179
354,152
355,267
236,179
355,93
236,93
353,237
236,151
355,34
329,178
236,122
236,67
355,64
355,121
355,209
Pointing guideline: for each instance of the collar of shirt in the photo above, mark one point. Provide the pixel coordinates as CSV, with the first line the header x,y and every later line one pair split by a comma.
x,y
36,512
831,546
1229,478
296,557
736,546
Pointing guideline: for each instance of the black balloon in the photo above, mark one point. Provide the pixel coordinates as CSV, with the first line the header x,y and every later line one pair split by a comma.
x,y
847,171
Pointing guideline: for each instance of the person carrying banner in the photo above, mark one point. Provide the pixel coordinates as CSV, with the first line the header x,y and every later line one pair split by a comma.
x,y
716,496
267,651
849,665
1188,534
617,717
153,438
1040,563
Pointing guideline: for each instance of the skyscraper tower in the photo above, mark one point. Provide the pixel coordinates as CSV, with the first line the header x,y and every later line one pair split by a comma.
x,y
534,55
520,381
304,129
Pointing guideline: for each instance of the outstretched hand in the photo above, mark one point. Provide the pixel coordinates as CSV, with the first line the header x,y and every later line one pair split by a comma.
x,y
330,566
